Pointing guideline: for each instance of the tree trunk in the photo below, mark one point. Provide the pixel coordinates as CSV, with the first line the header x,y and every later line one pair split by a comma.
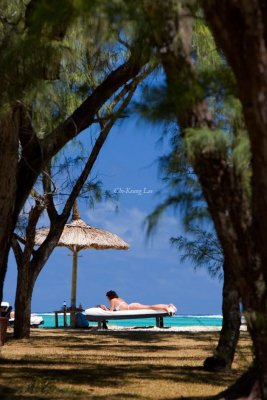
x,y
231,319
229,335
240,29
9,145
25,285
245,388
258,329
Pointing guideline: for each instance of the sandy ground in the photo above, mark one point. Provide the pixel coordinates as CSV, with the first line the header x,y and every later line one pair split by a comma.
x,y
196,329
115,364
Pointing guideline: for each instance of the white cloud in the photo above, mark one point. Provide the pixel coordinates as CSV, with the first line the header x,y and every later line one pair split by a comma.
x,y
128,223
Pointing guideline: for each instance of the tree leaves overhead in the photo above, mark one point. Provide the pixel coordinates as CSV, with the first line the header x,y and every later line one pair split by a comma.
x,y
203,250
85,62
50,18
27,54
53,54
204,141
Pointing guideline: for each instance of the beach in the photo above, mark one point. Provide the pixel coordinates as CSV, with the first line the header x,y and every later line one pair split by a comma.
x,y
196,322
121,363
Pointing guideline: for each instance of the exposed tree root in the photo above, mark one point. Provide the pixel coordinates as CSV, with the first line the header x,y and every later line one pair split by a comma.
x,y
245,388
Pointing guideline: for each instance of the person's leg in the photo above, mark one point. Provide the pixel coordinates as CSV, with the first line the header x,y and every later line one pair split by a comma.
x,y
156,307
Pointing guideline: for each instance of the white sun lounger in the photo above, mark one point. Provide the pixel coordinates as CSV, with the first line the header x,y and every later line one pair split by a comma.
x,y
101,316
35,321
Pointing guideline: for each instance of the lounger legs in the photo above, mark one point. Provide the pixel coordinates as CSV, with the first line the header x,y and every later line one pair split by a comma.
x,y
102,324
159,322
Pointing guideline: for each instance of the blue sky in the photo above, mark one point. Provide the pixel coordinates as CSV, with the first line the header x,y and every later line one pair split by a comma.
x,y
150,271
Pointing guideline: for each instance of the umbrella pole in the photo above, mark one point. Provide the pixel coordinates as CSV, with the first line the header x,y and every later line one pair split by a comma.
x,y
73,287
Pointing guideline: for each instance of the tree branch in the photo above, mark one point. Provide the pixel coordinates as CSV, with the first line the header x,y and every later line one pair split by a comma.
x,y
48,192
128,90
16,250
39,152
34,216
19,239
57,225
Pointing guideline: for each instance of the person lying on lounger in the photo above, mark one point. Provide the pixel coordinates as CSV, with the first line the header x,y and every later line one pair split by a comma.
x,y
118,304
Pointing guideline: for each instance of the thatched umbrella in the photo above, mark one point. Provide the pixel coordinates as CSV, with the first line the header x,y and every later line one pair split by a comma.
x,y
77,235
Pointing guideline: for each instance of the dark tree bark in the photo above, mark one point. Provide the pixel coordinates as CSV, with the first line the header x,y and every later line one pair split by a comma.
x,y
231,320
24,291
229,334
245,388
26,274
240,29
9,145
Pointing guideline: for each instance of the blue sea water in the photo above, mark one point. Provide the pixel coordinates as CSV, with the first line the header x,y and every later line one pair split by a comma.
x,y
175,321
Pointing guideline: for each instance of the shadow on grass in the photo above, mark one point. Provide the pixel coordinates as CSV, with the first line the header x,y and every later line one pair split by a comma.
x,y
150,341
102,375
7,393
128,352
126,396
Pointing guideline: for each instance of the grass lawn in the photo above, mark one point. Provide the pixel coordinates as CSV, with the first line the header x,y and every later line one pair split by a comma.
x,y
80,364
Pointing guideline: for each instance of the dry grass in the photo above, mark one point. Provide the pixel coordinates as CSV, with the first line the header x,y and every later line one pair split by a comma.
x,y
72,364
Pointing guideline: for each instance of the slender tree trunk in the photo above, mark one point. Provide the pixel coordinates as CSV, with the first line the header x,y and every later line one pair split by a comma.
x,y
231,319
229,335
25,285
9,145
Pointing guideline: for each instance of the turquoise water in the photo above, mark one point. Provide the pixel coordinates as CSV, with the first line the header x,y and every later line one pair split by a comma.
x,y
175,321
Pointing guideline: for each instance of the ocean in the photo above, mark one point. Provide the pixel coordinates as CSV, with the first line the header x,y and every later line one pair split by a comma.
x,y
169,322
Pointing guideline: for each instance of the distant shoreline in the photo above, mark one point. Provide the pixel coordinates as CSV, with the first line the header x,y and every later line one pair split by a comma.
x,y
176,323
177,315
